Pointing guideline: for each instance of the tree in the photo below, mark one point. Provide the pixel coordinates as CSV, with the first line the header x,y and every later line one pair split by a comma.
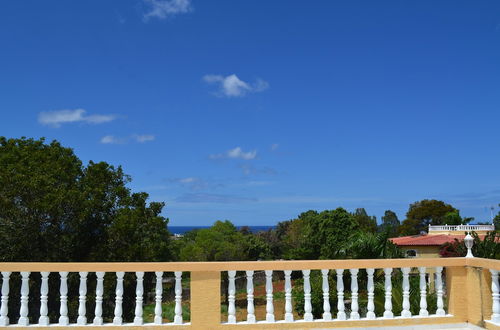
x,y
496,220
423,213
365,222
390,223
487,247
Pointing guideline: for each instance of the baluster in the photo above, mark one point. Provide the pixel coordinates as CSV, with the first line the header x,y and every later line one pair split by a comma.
x,y
139,292
178,298
439,288
354,294
341,315
495,308
4,308
370,314
307,296
63,290
82,299
388,294
25,289
44,291
269,296
327,315
288,296
231,291
99,291
250,306
406,292
423,293
158,294
117,320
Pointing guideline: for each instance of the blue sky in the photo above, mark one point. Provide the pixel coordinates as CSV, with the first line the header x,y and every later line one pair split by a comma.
x,y
255,111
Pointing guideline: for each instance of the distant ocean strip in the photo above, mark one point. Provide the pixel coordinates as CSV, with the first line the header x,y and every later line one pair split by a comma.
x,y
184,229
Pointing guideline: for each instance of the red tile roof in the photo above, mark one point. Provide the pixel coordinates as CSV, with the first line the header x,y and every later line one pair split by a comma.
x,y
435,240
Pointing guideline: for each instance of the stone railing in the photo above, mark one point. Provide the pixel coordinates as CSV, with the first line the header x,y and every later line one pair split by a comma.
x,y
471,294
462,228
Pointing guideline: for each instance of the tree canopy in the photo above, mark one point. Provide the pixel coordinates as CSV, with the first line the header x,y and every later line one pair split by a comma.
x,y
423,213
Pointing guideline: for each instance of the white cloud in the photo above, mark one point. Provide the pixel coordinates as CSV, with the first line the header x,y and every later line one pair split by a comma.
x,y
236,153
232,86
144,138
274,146
111,139
162,9
58,117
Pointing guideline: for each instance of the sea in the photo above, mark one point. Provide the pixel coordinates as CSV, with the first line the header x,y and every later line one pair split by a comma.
x,y
181,230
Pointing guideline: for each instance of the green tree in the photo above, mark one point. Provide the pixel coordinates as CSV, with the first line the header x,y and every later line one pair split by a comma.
x,y
390,223
423,213
496,220
365,222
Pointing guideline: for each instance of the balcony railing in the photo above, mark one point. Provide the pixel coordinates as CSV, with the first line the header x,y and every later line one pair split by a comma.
x,y
462,228
467,290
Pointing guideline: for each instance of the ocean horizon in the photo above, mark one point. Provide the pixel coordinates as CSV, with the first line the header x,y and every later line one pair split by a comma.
x,y
185,229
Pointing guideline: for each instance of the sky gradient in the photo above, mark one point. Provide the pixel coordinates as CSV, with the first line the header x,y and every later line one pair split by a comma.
x,y
255,111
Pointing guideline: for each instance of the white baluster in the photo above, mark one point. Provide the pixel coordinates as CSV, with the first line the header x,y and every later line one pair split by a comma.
x,y
99,291
388,294
63,290
44,291
25,289
250,306
406,292
4,308
307,296
178,298
341,315
158,294
370,314
439,288
327,315
495,316
139,292
354,295
288,296
117,320
423,293
82,300
231,291
269,296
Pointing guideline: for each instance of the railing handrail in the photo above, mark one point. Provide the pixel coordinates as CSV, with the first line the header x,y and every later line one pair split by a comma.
x,y
461,227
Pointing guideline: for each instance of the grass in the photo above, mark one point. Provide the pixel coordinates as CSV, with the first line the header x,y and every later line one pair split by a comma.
x,y
168,312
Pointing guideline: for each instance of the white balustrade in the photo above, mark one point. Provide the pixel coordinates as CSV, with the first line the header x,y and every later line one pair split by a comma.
x,y
325,286
250,305
288,296
439,291
231,291
82,299
423,293
25,289
99,291
158,298
63,291
495,315
44,292
354,295
370,314
269,296
4,307
341,315
139,297
388,294
406,292
178,298
117,320
307,296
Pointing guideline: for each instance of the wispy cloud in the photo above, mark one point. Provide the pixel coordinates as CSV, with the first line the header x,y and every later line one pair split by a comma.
x,y
112,139
162,9
250,169
232,86
58,117
213,198
236,153
196,184
143,138
274,146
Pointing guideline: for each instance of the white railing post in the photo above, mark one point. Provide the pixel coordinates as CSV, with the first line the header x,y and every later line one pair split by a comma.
x,y
495,307
158,295
82,299
341,315
406,292
288,296
307,295
99,291
439,290
25,290
269,296
231,292
250,306
139,293
178,298
63,291
354,295
423,293
117,320
4,307
388,294
370,314
327,315
44,291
